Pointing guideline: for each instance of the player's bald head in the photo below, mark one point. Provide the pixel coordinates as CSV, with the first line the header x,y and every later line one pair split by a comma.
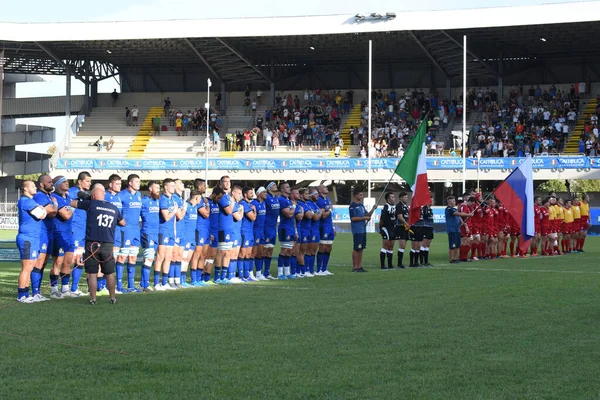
x,y
98,191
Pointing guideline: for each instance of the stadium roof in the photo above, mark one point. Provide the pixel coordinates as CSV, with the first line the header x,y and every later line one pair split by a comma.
x,y
231,52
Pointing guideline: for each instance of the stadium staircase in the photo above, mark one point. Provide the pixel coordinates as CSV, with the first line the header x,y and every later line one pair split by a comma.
x,y
573,143
138,147
348,121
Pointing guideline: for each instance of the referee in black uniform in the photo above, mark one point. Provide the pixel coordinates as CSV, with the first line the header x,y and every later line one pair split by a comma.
x,y
102,220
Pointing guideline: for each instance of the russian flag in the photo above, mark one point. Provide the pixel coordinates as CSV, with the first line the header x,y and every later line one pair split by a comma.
x,y
516,194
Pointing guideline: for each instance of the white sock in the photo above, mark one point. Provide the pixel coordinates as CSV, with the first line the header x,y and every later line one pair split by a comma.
x,y
279,271
286,271
171,281
177,281
184,266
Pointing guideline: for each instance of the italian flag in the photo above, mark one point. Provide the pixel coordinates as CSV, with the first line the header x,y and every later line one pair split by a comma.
x,y
413,169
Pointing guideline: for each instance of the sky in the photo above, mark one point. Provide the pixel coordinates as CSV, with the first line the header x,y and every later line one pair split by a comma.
x,y
124,10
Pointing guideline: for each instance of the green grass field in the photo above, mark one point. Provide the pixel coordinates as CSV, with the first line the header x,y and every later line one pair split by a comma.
x,y
500,329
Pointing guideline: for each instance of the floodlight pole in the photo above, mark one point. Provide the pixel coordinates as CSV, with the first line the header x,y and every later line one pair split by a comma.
x,y
464,117
207,142
369,126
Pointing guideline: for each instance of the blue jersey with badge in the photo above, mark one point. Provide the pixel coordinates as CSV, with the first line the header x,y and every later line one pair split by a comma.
x,y
261,213
247,224
203,224
272,207
114,199
303,224
150,215
237,225
102,220
29,226
79,216
357,210
43,199
166,228
179,223
63,225
215,211
285,222
325,204
225,220
132,208
189,223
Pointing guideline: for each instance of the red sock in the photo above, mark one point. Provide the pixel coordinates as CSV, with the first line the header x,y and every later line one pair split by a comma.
x,y
533,250
512,248
482,248
473,250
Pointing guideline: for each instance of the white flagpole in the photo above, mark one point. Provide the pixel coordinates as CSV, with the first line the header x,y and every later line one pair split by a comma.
x,y
464,117
207,142
370,107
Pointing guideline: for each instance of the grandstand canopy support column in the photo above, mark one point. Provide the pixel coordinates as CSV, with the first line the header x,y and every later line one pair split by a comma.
x,y
448,89
94,94
223,104
86,103
272,83
68,108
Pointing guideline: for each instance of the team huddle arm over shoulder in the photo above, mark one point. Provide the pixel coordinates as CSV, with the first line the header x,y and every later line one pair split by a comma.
x,y
204,210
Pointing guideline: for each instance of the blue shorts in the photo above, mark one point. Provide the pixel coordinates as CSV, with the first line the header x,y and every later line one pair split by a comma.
x,y
189,245
149,241
270,237
202,238
78,237
315,236
327,234
359,241
259,237
166,240
225,240
131,238
304,237
237,239
28,247
247,241
63,243
46,241
118,237
286,235
453,240
214,243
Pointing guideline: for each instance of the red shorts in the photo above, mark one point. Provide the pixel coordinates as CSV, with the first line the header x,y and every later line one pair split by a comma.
x,y
463,231
584,224
546,229
475,230
178,128
538,229
514,230
567,228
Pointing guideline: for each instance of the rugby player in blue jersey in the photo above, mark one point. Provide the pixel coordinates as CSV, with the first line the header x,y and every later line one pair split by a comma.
x,y
271,217
63,245
149,234
179,247
238,215
166,234
113,197
304,226
211,254
259,232
44,198
297,262
84,182
225,237
315,236
131,199
245,260
286,231
327,232
190,220
202,236
31,215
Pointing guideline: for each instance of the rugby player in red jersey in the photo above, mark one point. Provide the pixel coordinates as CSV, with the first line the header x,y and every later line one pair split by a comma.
x,y
476,228
487,228
465,207
537,220
501,228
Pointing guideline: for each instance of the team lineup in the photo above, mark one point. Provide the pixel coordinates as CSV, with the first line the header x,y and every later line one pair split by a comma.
x,y
225,238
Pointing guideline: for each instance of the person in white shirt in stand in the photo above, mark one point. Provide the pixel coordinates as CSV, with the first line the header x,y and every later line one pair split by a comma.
x,y
254,108
259,97
571,115
268,135
546,117
134,113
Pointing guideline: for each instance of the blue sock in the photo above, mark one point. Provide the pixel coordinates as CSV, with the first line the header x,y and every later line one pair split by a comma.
x,y
280,261
183,276
310,262
101,283
326,261
120,268
217,273
320,257
302,269
172,270
224,272
293,265
22,292
286,261
258,262
36,277
165,278
76,277
156,278
267,261
145,277
239,264
206,276
177,272
193,275
248,262
53,280
64,280
130,275
39,284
